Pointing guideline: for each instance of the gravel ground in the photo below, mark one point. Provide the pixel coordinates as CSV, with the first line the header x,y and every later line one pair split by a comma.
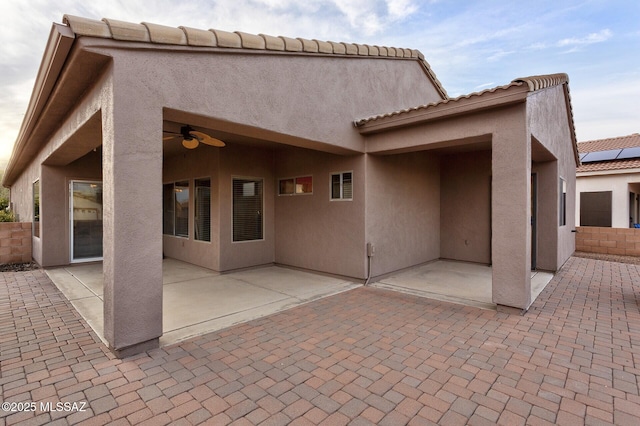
x,y
608,257
18,267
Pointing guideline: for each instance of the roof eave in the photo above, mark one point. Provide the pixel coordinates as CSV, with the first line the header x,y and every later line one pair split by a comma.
x,y
55,55
512,95
627,171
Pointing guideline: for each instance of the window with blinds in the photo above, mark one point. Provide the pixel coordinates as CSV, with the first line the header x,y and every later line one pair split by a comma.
x,y
247,209
202,220
342,186
175,209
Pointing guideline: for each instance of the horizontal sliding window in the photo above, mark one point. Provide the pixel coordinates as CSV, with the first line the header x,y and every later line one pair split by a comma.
x,y
295,186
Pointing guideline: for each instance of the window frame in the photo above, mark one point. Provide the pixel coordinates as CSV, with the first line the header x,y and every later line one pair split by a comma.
x,y
562,206
174,210
586,212
262,209
195,208
331,183
294,182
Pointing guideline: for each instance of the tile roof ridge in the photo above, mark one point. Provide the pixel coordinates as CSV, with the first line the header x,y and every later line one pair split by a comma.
x,y
363,121
146,32
537,82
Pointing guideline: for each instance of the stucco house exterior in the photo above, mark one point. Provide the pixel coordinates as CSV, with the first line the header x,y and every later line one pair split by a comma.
x,y
608,182
333,152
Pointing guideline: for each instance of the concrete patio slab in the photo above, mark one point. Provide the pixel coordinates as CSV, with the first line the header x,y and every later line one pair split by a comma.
x,y
197,300
456,282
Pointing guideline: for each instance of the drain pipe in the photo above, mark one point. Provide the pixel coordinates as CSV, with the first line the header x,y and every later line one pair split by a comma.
x,y
370,251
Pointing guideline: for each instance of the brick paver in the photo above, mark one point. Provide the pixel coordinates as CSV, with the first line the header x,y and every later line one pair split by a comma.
x,y
367,356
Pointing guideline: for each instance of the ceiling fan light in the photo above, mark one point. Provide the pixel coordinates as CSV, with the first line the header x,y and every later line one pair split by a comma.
x,y
190,143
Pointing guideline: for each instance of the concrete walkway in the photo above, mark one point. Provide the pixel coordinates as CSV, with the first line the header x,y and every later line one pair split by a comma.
x,y
365,356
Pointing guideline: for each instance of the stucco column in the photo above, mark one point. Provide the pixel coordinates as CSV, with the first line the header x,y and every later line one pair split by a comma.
x,y
132,241
510,218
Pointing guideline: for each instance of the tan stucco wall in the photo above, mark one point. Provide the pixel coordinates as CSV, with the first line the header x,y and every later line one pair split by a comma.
x,y
619,185
278,97
466,207
402,210
190,165
247,162
547,215
311,230
547,115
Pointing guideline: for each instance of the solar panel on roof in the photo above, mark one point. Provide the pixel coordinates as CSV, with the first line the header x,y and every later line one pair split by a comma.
x,y
629,153
584,154
607,155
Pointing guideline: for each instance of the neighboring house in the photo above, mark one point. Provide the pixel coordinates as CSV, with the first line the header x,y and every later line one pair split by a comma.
x,y
608,182
331,148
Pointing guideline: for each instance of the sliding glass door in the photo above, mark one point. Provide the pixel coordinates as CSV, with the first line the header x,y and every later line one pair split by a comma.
x,y
86,221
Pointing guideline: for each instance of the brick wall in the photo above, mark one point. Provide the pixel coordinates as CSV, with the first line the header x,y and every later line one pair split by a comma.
x,y
15,242
620,241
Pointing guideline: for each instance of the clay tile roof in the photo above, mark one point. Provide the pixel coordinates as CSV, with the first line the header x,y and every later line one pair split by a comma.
x,y
185,36
609,165
629,141
533,83
363,121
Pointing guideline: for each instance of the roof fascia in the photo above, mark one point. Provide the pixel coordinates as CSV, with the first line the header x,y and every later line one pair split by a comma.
x,y
571,122
59,45
513,95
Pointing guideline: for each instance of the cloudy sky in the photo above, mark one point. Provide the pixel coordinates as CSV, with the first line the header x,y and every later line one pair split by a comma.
x,y
471,44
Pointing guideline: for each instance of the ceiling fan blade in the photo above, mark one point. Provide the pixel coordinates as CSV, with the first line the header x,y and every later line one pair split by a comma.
x,y
167,138
190,143
206,139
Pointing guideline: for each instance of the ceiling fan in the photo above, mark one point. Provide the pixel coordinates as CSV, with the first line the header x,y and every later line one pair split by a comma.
x,y
192,138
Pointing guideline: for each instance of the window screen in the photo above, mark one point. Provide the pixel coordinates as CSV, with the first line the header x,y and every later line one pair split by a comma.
x,y
595,208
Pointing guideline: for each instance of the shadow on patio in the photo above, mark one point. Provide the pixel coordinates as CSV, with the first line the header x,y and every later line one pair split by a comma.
x,y
197,300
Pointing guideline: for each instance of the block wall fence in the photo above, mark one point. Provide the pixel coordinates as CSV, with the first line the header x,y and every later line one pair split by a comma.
x,y
15,242
618,241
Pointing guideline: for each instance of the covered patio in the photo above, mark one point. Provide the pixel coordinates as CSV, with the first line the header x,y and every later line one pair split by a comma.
x,y
197,300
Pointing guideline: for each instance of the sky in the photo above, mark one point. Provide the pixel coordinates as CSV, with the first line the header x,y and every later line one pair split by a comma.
x,y
471,45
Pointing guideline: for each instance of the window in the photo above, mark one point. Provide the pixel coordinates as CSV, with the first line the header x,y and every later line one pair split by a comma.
x,y
563,202
595,208
202,220
36,209
175,202
247,209
295,186
342,186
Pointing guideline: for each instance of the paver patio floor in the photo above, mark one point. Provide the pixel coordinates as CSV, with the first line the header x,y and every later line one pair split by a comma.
x,y
366,356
